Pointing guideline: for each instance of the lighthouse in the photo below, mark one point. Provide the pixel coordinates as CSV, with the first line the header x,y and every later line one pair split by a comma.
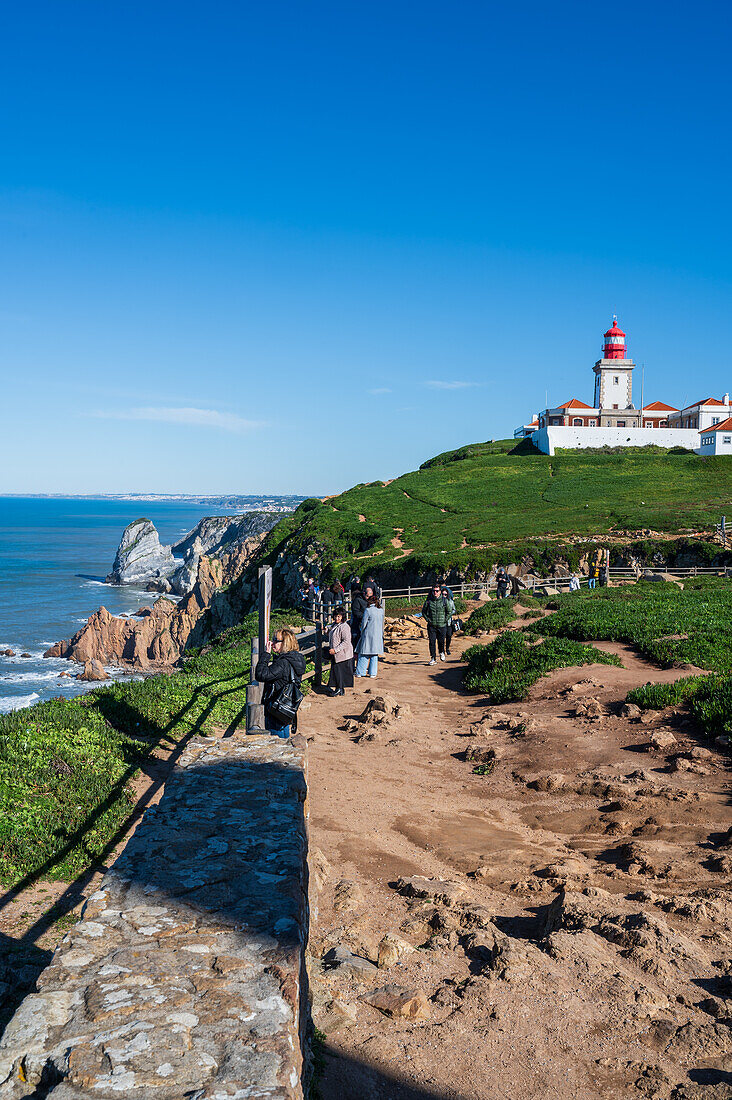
x,y
614,382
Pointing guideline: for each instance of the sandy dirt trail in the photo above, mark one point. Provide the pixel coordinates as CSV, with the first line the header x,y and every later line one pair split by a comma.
x,y
577,943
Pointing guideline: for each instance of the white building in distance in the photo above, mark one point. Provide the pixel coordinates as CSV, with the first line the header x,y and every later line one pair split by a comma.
x,y
614,421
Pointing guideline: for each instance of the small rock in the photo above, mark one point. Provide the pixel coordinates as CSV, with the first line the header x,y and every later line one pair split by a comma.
x,y
397,1002
340,958
392,949
661,739
27,656
439,890
347,896
338,1014
630,710
320,868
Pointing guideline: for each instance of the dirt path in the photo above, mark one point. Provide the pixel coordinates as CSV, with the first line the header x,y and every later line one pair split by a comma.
x,y
589,919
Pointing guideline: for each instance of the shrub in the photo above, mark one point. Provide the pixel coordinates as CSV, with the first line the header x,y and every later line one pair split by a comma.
x,y
506,668
664,623
491,616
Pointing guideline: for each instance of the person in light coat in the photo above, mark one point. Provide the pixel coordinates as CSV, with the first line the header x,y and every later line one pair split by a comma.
x,y
370,644
341,653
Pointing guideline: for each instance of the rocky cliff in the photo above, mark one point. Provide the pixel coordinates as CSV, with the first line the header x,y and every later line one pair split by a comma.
x,y
158,636
142,559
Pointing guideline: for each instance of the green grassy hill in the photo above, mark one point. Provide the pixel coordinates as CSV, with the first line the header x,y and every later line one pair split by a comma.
x,y
465,508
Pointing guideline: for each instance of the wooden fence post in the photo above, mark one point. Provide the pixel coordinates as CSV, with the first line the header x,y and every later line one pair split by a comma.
x,y
255,709
318,655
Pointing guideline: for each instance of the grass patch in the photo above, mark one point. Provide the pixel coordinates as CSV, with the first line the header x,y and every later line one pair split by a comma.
x,y
491,616
708,698
658,696
506,668
664,623
65,765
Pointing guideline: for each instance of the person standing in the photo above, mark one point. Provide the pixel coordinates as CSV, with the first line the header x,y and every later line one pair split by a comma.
x,y
501,583
327,599
288,664
436,612
341,654
515,587
447,595
358,607
370,644
338,591
574,583
592,580
369,582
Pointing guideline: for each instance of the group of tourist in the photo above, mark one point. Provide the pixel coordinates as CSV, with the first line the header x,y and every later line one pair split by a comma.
x,y
355,643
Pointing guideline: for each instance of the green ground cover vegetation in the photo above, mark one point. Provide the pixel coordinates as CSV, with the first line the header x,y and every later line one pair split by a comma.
x,y
507,667
467,509
66,765
664,623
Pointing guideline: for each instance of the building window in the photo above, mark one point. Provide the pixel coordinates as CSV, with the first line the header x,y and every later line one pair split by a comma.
x,y
615,406
716,419
577,423
621,423
727,438
593,423
615,380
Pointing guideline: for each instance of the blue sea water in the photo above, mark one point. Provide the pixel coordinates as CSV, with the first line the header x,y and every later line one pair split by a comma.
x,y
54,556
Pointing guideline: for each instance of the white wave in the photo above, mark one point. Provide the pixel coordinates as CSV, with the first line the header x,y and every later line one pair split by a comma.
x,y
17,702
38,677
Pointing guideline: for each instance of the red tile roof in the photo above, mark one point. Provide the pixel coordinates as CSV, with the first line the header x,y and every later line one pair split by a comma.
x,y
659,406
574,404
706,401
725,426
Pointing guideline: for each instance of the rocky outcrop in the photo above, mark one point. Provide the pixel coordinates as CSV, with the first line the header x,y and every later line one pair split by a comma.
x,y
157,638
142,559
140,556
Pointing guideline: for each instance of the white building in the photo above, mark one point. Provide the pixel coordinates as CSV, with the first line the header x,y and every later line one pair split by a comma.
x,y
716,440
702,414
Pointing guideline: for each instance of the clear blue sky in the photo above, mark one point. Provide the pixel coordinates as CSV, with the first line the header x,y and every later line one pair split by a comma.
x,y
292,246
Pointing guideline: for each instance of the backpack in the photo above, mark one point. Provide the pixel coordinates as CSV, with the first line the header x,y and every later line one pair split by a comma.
x,y
283,706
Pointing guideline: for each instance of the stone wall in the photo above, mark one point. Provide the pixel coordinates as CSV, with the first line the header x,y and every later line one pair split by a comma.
x,y
185,975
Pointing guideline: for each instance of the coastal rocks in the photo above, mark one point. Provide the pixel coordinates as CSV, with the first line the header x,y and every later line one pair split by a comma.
x,y
140,556
158,636
93,671
142,559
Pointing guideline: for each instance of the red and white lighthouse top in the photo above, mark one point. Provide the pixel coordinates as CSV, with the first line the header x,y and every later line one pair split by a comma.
x,y
614,346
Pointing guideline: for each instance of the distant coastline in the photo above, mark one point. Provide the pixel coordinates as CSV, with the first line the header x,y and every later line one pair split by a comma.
x,y
260,502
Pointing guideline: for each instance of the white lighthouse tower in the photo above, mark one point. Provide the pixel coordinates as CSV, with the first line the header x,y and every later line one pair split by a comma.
x,y
614,382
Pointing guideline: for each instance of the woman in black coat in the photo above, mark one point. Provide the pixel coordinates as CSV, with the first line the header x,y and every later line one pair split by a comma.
x,y
286,660
358,607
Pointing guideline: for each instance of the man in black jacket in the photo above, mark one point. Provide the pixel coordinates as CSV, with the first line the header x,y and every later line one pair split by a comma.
x,y
287,664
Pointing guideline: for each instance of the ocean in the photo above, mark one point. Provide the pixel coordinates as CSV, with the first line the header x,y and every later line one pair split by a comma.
x,y
54,556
